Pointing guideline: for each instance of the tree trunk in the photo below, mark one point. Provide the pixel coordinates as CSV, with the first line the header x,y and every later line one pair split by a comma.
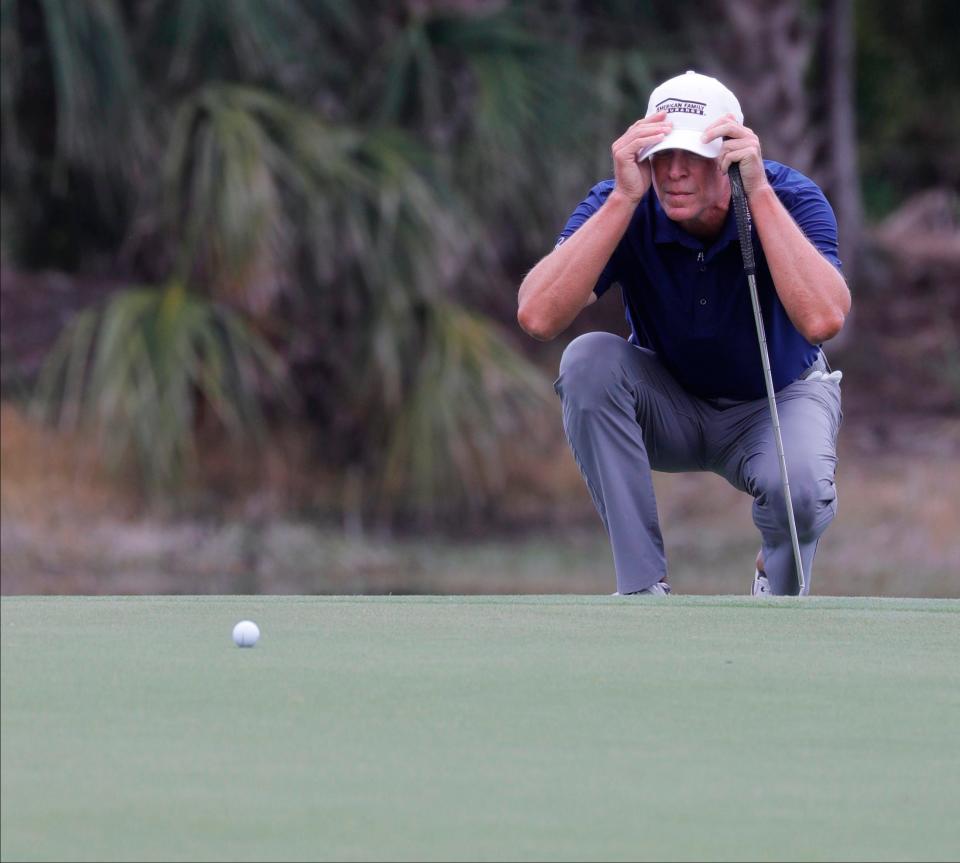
x,y
842,149
762,51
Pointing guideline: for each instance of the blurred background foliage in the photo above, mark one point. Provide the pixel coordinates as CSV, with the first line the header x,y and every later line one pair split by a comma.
x,y
908,99
316,213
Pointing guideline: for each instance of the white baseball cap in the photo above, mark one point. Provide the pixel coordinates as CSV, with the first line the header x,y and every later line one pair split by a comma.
x,y
692,102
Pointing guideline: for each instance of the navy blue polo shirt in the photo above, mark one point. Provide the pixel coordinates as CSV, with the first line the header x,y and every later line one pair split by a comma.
x,y
689,302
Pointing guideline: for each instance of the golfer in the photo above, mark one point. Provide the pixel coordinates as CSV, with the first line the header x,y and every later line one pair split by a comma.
x,y
685,391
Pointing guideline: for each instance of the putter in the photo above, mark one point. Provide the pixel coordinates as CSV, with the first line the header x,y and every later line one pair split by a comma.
x,y
749,265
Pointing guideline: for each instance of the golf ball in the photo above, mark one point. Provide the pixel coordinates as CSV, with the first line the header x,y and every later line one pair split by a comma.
x,y
246,633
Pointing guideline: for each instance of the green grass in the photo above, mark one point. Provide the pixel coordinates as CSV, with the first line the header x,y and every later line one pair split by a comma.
x,y
480,728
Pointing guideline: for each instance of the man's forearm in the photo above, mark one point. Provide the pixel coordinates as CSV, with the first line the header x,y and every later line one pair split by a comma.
x,y
560,285
811,289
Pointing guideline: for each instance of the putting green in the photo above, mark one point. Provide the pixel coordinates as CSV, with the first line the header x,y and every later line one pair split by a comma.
x,y
452,728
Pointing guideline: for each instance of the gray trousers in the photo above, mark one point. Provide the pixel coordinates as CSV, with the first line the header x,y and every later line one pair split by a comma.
x,y
624,415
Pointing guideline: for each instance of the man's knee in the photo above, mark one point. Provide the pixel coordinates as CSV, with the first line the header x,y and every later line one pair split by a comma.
x,y
588,365
813,497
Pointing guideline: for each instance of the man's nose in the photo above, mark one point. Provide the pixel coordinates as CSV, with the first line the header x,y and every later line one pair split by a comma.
x,y
678,164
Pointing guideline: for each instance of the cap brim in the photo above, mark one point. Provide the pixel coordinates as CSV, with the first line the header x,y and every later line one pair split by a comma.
x,y
685,139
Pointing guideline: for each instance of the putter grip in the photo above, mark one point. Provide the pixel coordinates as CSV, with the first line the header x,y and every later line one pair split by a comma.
x,y
743,222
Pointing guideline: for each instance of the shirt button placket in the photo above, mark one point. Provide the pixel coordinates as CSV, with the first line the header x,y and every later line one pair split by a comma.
x,y
702,267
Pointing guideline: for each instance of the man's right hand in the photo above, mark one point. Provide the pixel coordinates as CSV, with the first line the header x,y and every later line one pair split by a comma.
x,y
632,176
556,290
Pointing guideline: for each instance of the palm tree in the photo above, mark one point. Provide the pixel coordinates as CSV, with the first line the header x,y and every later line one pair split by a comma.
x,y
143,368
257,201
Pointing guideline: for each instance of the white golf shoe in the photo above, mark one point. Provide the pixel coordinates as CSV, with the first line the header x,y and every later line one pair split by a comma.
x,y
661,588
761,585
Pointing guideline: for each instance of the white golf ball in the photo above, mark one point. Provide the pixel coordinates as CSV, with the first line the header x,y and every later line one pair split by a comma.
x,y
246,633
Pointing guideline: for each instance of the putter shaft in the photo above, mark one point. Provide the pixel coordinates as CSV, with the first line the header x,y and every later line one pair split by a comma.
x,y
749,265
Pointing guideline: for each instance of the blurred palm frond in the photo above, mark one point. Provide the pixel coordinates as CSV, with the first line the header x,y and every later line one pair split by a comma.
x,y
145,368
94,76
472,397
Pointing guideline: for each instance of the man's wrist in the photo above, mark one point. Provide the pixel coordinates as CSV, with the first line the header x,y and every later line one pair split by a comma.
x,y
762,191
620,198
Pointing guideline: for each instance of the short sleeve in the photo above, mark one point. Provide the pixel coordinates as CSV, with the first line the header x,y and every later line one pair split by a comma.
x,y
587,207
811,210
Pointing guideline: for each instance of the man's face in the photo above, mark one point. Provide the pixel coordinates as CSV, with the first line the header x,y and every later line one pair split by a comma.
x,y
691,188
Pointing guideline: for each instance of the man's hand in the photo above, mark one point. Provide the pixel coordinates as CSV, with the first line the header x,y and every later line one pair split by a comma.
x,y
812,291
631,175
740,145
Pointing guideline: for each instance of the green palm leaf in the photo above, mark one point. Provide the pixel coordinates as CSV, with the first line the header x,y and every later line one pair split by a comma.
x,y
473,398
143,370
94,77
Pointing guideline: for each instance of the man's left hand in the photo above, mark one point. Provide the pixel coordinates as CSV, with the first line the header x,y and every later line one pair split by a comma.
x,y
740,145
